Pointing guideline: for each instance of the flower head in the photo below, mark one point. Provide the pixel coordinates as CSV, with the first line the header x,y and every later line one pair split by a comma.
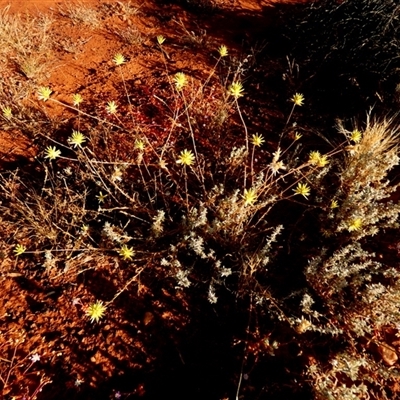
x,y
236,90
257,140
163,164
119,59
160,39
19,249
77,99
186,157
101,197
126,252
314,157
297,99
52,153
76,301
96,311
355,225
334,204
139,144
276,164
249,196
111,107
44,93
77,139
180,80
297,136
7,112
117,174
323,161
223,51
302,189
35,357
317,159
356,136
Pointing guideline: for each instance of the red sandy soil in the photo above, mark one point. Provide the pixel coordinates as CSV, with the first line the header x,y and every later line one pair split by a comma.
x,y
85,68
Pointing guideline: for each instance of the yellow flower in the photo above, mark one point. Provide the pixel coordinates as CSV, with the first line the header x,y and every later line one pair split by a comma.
x,y
96,311
111,107
186,158
19,249
7,112
317,159
139,144
356,136
298,99
77,139
223,51
119,59
44,93
314,157
126,252
52,153
297,136
323,161
101,197
257,140
303,189
236,90
249,196
160,39
180,80
355,224
76,99
334,204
